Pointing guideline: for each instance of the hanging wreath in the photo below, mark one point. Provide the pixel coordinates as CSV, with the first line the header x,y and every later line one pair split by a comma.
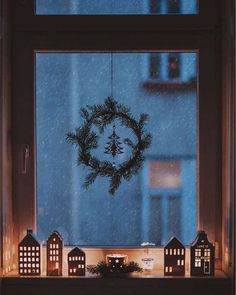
x,y
86,140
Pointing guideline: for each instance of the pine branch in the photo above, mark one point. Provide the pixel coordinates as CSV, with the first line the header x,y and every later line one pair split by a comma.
x,y
90,178
72,138
143,120
84,114
129,142
114,183
146,141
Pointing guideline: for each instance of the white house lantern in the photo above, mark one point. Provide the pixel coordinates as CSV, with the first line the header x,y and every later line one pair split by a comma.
x,y
54,254
116,261
202,254
29,255
76,262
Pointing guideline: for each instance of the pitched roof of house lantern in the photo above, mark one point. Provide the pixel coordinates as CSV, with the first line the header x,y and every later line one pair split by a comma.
x,y
55,232
173,243
76,251
30,238
201,238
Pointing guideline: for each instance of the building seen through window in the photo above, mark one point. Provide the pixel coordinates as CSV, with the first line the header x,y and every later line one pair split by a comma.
x,y
174,6
172,67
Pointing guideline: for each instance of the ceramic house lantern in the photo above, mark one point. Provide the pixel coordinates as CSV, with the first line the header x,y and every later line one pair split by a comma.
x,y
76,262
29,255
116,261
202,254
54,254
174,258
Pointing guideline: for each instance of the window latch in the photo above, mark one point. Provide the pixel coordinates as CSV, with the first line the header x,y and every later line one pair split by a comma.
x,y
25,153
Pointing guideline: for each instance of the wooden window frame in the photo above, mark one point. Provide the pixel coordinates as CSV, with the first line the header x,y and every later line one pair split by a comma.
x,y
201,33
27,42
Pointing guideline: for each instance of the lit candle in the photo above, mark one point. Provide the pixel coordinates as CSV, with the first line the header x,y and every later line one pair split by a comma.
x,y
116,261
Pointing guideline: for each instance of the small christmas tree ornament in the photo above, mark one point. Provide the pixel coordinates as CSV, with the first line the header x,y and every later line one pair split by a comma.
x,y
114,146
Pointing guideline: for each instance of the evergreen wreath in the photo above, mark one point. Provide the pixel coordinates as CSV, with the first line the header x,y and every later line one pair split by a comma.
x,y
85,139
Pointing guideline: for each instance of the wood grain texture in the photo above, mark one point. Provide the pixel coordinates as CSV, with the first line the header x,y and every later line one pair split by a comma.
x,y
228,140
117,286
6,213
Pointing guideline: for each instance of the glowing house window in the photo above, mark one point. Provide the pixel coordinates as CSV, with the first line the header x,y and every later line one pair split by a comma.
x,y
197,252
197,262
207,252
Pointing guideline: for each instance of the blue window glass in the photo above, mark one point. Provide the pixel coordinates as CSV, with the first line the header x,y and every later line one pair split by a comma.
x,y
158,202
60,7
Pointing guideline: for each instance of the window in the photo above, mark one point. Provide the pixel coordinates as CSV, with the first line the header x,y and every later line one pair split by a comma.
x,y
155,6
155,65
174,6
149,39
197,262
207,252
165,194
174,66
60,191
197,252
88,7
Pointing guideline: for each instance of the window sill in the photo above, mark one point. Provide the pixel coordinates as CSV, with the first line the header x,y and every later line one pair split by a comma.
x,y
135,284
166,86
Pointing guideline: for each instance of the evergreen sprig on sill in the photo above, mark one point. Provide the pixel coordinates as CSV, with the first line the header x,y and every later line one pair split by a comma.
x,y
104,269
85,140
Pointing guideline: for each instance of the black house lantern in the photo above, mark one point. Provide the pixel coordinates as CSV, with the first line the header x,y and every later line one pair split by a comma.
x,y
29,255
174,258
76,262
54,254
202,254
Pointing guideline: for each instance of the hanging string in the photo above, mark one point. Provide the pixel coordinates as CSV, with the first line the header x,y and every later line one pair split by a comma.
x,y
114,125
112,74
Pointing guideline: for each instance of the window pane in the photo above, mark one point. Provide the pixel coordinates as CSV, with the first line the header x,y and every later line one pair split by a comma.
x,y
58,7
165,174
154,204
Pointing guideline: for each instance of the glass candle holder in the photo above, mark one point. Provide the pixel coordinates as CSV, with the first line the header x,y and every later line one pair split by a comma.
x,y
147,263
116,261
